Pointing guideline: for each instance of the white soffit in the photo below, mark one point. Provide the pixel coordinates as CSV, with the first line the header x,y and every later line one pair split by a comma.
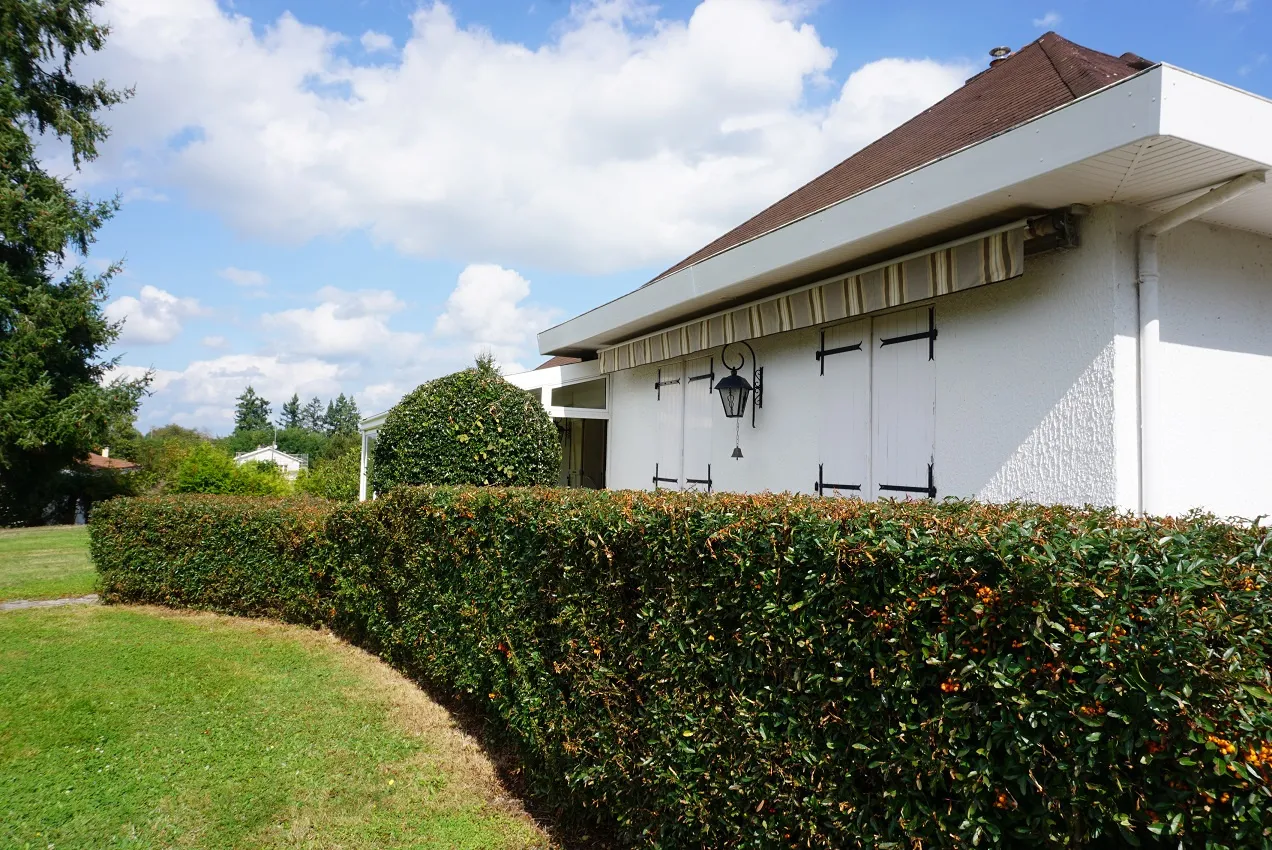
x,y
556,376
1110,147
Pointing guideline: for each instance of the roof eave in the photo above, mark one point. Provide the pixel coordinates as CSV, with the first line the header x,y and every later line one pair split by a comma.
x,y
1125,112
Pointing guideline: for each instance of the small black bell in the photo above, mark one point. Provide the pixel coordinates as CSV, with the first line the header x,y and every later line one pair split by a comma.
x,y
737,451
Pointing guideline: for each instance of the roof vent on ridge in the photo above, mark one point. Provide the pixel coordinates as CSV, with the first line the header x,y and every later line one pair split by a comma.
x,y
999,54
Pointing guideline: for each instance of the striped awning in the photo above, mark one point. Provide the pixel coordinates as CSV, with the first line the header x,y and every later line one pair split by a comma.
x,y
988,258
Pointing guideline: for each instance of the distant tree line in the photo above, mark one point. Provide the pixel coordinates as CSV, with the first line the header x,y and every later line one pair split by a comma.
x,y
307,429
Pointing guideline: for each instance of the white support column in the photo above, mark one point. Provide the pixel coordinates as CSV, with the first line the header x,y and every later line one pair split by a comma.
x,y
362,468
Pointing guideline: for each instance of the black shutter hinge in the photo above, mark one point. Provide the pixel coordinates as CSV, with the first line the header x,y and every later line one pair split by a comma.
x,y
929,490
709,376
657,479
821,486
660,383
823,352
706,480
929,335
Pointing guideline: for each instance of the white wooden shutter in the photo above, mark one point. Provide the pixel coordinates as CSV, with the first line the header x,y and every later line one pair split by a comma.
x,y
903,378
701,403
669,392
844,392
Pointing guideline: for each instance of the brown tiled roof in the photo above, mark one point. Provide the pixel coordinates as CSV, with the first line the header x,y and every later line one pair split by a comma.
x,y
558,361
96,461
1041,76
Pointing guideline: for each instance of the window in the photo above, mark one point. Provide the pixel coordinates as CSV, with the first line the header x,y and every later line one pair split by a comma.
x,y
588,394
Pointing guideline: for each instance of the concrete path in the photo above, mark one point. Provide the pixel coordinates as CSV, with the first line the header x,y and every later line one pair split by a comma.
x,y
21,604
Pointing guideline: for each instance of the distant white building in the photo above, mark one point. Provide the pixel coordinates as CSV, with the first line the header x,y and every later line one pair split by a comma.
x,y
290,464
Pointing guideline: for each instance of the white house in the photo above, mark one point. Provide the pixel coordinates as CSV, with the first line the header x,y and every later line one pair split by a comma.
x,y
290,464
1053,285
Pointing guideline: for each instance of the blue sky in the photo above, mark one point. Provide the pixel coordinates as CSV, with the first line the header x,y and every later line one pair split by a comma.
x,y
330,196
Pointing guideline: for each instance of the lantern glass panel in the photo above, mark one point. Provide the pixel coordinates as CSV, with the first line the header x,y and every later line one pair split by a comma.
x,y
734,391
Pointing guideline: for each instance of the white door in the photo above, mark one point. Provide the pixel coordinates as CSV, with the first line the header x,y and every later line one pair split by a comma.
x,y
843,365
701,403
903,379
669,393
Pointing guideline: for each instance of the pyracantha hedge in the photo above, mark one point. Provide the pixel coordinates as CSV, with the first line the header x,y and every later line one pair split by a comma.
x,y
774,671
472,427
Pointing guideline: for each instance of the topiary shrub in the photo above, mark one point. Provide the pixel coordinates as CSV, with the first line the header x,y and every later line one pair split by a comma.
x,y
472,427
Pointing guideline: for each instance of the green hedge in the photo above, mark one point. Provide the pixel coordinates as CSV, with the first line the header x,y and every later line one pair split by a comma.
x,y
236,554
775,671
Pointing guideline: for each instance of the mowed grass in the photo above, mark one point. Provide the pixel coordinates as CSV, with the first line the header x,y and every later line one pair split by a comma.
x,y
45,563
142,727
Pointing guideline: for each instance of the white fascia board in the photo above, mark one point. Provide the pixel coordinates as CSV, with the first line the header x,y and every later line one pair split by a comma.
x,y
1110,118
556,376
1206,112
372,422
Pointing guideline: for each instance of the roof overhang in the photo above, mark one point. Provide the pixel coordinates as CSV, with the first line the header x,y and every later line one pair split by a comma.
x,y
534,379
1151,140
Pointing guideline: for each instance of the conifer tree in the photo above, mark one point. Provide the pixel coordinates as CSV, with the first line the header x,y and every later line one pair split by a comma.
x,y
56,401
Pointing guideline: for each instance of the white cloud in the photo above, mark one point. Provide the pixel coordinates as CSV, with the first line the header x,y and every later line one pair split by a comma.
x,y
376,42
155,316
344,325
485,313
626,141
1047,21
244,277
202,394
346,343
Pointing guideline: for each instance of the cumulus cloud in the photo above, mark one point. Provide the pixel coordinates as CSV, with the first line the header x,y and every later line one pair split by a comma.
x,y
347,342
1047,21
203,393
627,140
344,325
485,313
154,316
244,277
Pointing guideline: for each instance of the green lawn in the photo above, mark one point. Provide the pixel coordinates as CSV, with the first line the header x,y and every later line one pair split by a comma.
x,y
140,727
45,563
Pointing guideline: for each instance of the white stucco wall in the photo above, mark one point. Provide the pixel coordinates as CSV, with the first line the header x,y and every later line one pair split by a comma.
x,y
1037,388
1216,365
1029,372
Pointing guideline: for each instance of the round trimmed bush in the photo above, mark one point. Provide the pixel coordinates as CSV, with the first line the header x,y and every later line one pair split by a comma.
x,y
472,427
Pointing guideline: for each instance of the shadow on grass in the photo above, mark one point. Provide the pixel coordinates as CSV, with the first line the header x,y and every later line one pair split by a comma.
x,y
569,830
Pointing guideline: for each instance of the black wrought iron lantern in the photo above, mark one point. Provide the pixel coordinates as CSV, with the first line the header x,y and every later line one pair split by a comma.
x,y
736,390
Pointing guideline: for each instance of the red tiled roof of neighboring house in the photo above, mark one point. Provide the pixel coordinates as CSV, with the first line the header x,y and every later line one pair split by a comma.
x,y
96,461
1043,75
558,361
